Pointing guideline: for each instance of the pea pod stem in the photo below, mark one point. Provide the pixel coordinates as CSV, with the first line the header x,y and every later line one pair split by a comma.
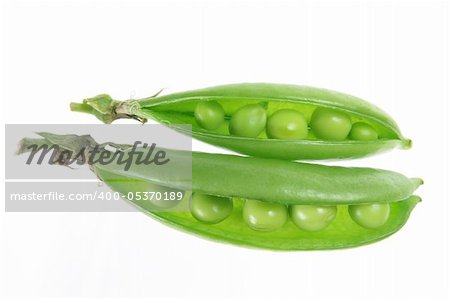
x,y
108,110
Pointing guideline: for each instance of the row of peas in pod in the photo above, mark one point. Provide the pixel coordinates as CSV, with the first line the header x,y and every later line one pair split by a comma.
x,y
251,120
267,216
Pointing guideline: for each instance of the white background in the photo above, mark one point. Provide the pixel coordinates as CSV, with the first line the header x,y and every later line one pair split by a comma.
x,y
394,54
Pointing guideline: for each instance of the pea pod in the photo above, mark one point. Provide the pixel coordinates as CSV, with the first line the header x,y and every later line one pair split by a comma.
x,y
371,204
303,123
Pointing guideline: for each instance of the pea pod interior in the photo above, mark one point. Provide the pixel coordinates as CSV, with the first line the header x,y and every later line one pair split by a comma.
x,y
341,233
178,109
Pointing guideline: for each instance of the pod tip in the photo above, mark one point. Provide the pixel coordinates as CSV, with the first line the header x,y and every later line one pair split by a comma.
x,y
417,198
407,143
417,182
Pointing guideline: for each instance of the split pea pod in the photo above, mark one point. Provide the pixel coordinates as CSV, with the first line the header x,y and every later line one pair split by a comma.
x,y
279,121
268,203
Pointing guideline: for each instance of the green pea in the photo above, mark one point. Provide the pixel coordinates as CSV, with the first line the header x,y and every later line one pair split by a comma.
x,y
313,218
264,216
248,121
209,115
210,209
370,215
287,124
363,131
330,124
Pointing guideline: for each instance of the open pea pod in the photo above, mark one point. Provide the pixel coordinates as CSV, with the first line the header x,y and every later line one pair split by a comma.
x,y
266,120
266,203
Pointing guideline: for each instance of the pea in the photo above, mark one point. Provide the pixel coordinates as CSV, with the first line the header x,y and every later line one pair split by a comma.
x,y
330,124
209,115
287,124
210,209
248,121
312,218
363,131
370,215
264,216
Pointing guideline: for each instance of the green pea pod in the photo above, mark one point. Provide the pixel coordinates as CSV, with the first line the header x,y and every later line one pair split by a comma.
x,y
274,183
363,129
